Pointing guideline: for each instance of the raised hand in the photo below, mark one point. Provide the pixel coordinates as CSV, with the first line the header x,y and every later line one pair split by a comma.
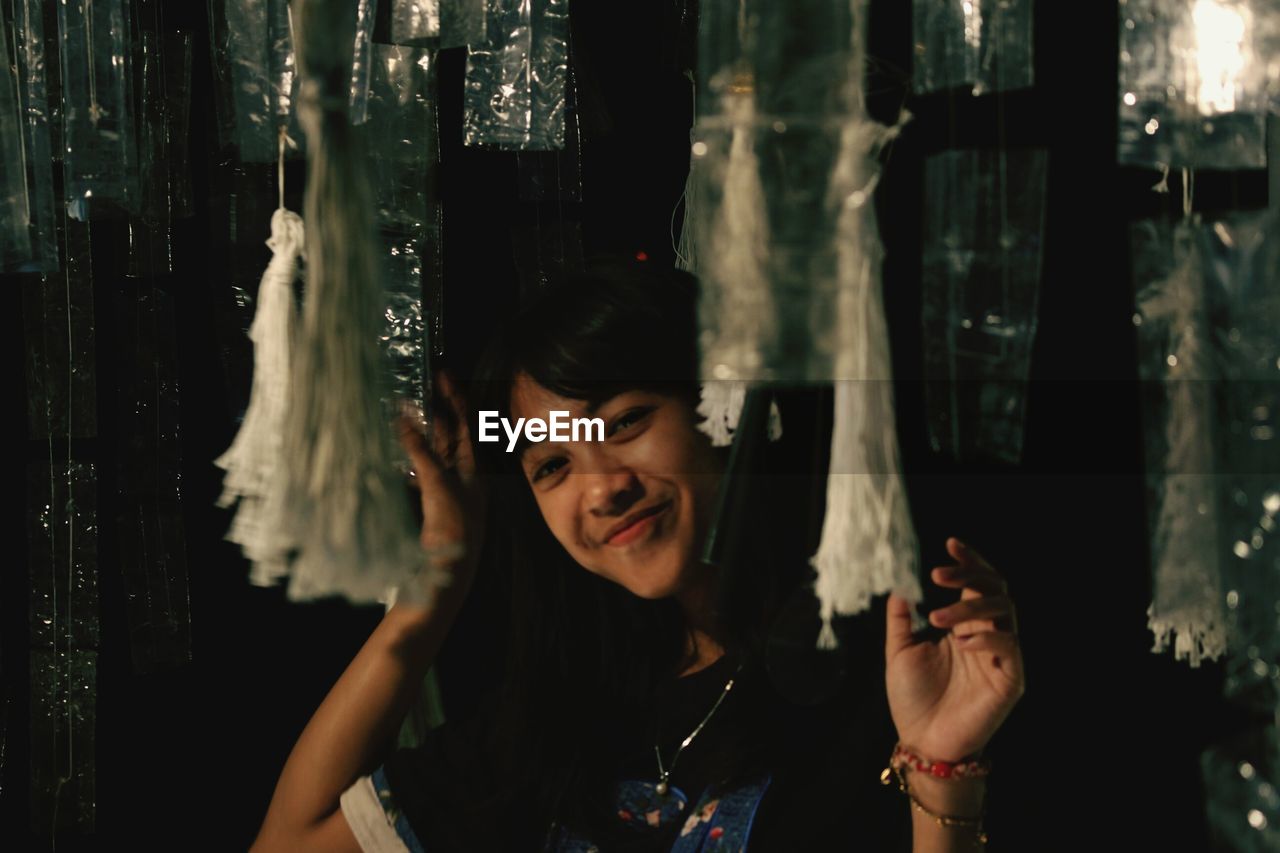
x,y
948,697
444,473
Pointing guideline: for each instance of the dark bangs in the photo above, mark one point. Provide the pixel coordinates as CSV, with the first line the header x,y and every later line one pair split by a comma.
x,y
615,328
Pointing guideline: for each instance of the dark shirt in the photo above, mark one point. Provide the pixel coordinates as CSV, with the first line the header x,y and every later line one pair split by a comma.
x,y
823,761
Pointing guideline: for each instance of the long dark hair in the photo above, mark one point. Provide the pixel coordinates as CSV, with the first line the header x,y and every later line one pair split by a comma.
x,y
583,650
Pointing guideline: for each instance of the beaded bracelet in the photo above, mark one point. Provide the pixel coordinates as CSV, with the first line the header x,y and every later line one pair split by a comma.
x,y
971,823
971,769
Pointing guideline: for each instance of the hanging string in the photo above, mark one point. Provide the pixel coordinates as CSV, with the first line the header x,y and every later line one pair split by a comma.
x,y
286,141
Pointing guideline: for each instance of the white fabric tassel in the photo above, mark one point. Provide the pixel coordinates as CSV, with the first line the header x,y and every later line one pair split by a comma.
x,y
736,259
341,514
1187,606
868,545
252,461
721,407
737,264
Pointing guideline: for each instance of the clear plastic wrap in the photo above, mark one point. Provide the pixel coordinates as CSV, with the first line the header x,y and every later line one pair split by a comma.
x,y
59,329
64,635
437,23
1195,77
254,39
148,510
547,239
415,22
1207,317
403,158
983,234
361,56
99,143
515,78
15,233
177,96
982,44
1242,268
770,130
64,702
463,22
164,80
28,39
1242,787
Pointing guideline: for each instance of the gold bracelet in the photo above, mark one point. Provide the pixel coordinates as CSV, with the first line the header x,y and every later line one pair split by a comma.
x,y
972,823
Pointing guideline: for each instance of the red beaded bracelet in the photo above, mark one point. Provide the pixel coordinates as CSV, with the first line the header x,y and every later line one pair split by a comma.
x,y
970,769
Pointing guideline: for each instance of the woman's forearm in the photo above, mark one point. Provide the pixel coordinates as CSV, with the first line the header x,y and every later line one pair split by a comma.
x,y
955,797
358,718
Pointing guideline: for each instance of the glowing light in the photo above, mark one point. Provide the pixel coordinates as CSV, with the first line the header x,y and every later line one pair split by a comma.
x,y
972,23
1221,53
1130,99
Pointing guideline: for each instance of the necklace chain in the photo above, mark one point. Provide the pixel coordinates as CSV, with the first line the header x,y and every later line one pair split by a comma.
x,y
664,772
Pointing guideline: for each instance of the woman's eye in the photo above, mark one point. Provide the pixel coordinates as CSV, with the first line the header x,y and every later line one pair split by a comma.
x,y
630,417
547,468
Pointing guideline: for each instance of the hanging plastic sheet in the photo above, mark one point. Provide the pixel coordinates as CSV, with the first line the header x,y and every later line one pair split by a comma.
x,y
361,57
164,79
63,634
462,22
1242,268
148,513
983,233
15,236
437,23
1195,77
415,22
253,38
58,327
177,95
1242,785
515,78
547,240
983,44
28,38
99,137
1176,366
767,142
403,159
784,167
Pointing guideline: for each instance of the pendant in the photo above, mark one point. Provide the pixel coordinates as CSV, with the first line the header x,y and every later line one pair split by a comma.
x,y
662,788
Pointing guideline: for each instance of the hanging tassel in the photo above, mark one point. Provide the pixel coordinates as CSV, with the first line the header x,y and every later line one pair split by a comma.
x,y
739,241
340,514
1186,611
252,461
868,544
736,258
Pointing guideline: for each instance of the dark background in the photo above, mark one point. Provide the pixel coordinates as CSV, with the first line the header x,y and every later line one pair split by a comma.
x,y
1104,747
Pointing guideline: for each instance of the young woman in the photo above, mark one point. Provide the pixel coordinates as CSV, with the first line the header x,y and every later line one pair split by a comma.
x,y
648,701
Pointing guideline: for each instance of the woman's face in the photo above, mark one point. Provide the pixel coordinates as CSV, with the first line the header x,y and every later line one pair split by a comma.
x,y
633,508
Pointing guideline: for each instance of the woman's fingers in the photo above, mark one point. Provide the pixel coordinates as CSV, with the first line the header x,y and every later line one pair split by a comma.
x,y
450,428
968,557
426,464
992,607
984,581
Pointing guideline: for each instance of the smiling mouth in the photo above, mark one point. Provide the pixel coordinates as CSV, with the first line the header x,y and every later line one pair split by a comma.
x,y
639,527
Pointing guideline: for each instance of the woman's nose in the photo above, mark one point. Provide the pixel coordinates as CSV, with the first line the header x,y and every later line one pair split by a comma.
x,y
612,492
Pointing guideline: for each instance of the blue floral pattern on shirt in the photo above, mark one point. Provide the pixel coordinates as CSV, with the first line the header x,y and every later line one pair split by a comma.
x,y
720,821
